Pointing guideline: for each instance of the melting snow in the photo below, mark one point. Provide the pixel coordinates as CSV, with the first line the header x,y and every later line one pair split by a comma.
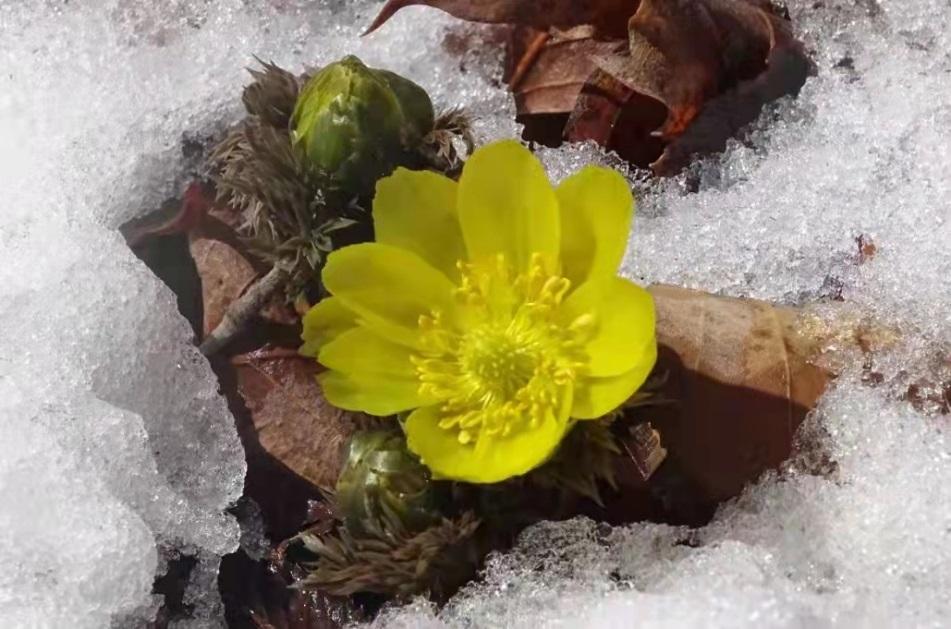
x,y
117,454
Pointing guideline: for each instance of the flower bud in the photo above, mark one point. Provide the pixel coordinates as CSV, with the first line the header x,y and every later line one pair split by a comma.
x,y
357,123
382,481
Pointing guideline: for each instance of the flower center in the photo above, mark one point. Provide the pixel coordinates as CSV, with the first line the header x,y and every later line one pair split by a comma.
x,y
504,361
500,362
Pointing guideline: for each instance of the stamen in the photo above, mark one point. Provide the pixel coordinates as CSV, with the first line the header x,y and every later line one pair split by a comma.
x,y
500,373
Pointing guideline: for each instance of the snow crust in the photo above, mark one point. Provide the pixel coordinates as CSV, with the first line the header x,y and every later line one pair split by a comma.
x,y
117,454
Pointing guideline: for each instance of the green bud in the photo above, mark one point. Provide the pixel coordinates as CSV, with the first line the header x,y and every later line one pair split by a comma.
x,y
357,123
383,483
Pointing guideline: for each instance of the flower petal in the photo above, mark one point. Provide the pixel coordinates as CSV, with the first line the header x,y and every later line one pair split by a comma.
x,y
323,323
624,315
596,207
361,352
370,394
388,288
416,210
502,458
507,205
596,397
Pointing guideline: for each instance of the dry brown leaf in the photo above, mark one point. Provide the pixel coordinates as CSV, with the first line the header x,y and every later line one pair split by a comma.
x,y
226,268
740,385
712,64
289,418
741,342
225,275
608,16
612,114
553,67
292,420
290,434
658,81
175,217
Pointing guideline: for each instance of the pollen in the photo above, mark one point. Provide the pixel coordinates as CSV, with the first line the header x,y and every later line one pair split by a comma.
x,y
500,361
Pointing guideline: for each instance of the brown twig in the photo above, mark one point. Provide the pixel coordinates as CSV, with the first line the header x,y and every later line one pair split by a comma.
x,y
241,310
528,59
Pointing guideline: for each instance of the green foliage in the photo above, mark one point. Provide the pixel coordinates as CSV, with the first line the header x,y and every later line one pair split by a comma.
x,y
584,460
293,210
390,560
389,537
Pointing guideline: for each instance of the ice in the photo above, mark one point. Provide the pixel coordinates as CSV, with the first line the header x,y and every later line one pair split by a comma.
x,y
117,453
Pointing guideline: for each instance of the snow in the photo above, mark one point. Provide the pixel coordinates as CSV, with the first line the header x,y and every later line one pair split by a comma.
x,y
117,453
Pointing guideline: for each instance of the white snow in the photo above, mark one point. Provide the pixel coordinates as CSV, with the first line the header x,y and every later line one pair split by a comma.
x,y
116,451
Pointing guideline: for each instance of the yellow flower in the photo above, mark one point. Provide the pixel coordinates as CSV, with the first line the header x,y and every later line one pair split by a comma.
x,y
489,308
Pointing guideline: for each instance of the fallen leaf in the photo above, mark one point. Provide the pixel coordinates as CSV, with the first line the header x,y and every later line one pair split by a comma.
x,y
292,420
225,275
740,384
867,248
289,432
712,64
739,379
657,81
615,116
607,16
177,216
225,266
550,81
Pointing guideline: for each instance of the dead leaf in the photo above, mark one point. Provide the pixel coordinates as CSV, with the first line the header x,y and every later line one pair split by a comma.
x,y
657,81
264,385
740,389
289,417
225,275
225,267
867,248
712,64
292,420
552,69
177,216
787,66
618,118
609,17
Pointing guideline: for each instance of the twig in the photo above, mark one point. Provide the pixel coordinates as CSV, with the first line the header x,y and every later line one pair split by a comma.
x,y
531,55
241,310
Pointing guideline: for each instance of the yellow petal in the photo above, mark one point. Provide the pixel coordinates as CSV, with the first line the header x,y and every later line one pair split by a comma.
x,y
624,320
323,323
388,288
361,352
596,207
370,394
492,462
507,205
596,397
416,210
